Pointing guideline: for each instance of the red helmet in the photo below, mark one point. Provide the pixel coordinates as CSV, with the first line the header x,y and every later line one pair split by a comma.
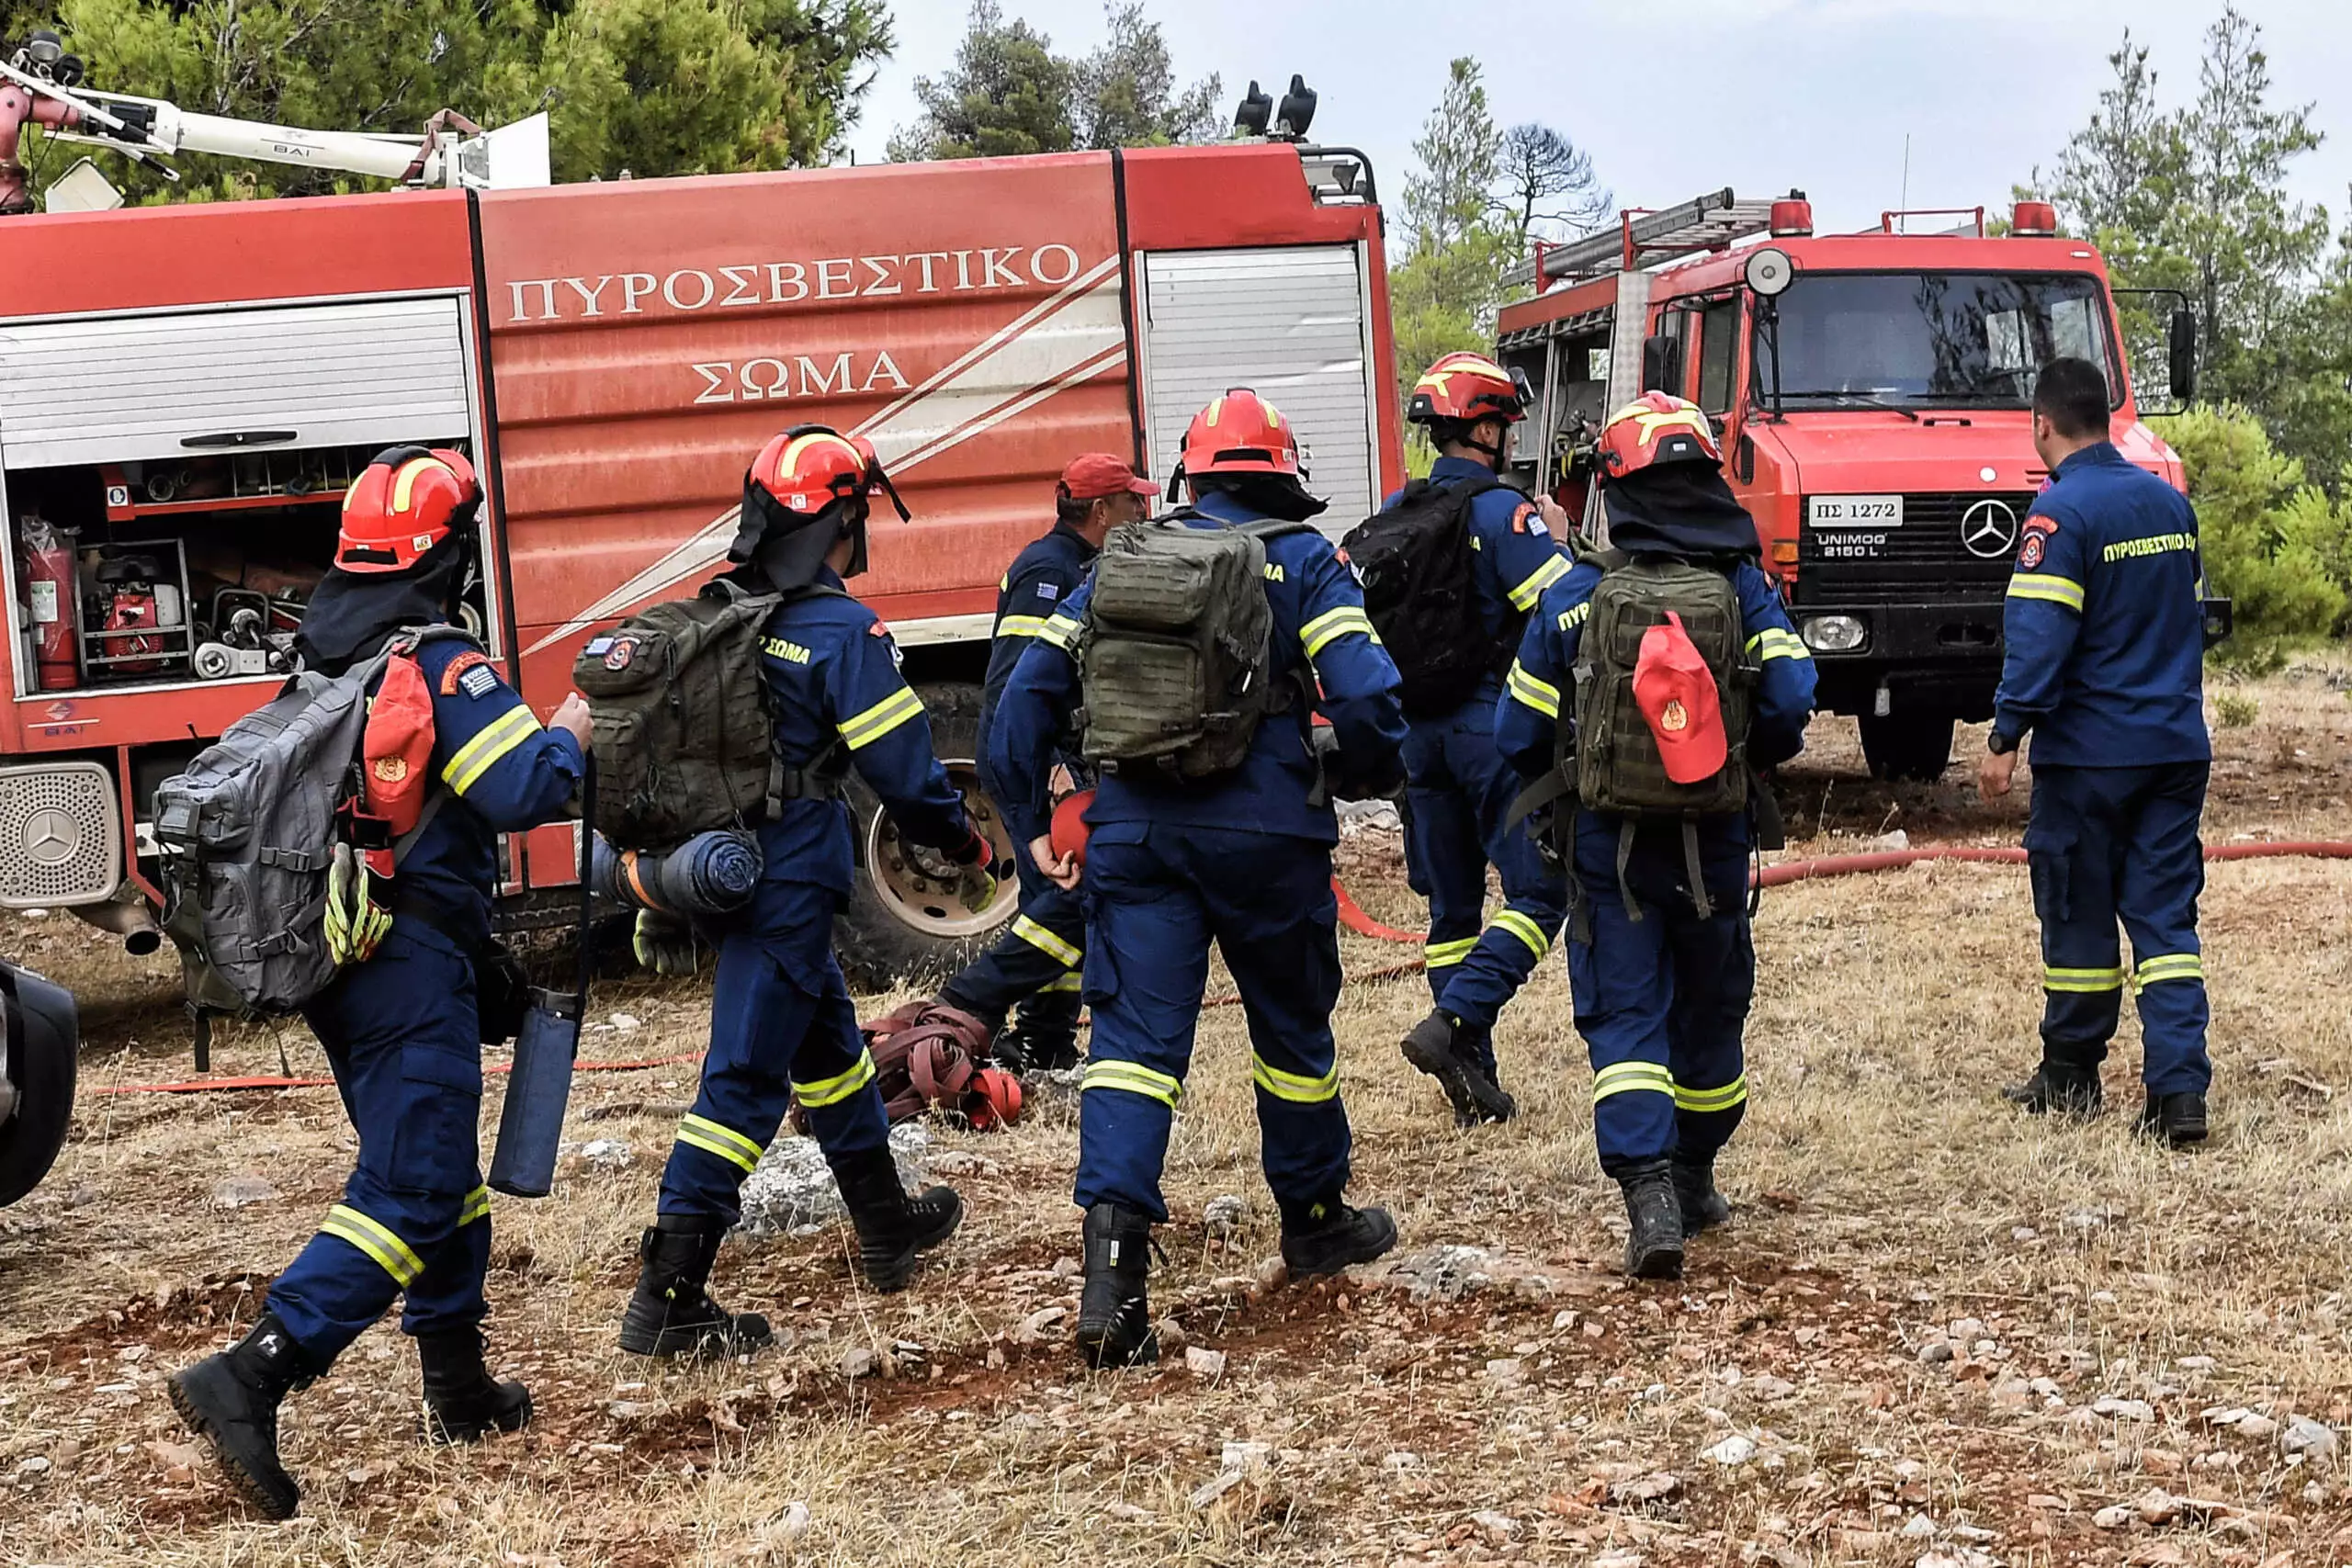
x,y
1241,433
1656,427
404,501
1466,388
810,468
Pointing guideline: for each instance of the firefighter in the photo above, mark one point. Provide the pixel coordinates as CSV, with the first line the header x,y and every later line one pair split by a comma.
x,y
400,1023
2103,663
1037,962
1240,858
1458,788
782,1026
1660,960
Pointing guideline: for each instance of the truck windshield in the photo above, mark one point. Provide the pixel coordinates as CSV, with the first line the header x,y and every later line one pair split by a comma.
x,y
1957,338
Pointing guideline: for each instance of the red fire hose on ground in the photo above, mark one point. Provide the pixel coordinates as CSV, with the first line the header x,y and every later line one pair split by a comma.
x,y
1352,916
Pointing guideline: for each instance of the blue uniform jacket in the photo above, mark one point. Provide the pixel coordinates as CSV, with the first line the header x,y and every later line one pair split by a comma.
x,y
507,773
1514,558
833,673
2104,627
1043,576
1542,683
1319,625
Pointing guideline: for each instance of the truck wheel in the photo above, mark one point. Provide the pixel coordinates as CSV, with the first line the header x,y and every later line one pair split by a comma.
x,y
903,922
1913,748
44,1038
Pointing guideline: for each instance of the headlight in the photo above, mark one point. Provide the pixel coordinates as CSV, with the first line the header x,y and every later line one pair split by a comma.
x,y
1832,634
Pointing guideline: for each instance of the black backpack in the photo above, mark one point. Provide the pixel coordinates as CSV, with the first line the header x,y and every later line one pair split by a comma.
x,y
1415,560
680,719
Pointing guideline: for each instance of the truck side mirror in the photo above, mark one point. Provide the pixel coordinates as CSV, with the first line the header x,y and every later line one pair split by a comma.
x,y
1662,364
2182,345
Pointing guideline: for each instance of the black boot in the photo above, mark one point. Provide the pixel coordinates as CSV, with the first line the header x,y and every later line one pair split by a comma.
x,y
462,1402
231,1401
892,1227
1047,1031
1654,1217
2060,1089
1115,1310
670,1313
1694,1192
2176,1119
1437,1047
1323,1238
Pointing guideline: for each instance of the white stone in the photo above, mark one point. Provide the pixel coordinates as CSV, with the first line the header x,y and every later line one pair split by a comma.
x,y
2114,1518
1249,1458
1222,1216
2305,1435
1494,1523
792,1187
2118,1409
1203,1362
1403,1460
236,1192
1736,1450
608,1154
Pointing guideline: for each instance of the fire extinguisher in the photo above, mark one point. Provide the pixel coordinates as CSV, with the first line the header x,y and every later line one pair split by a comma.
x,y
49,590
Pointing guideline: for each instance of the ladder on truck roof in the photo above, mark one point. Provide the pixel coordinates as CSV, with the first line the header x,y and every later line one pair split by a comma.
x,y
1644,239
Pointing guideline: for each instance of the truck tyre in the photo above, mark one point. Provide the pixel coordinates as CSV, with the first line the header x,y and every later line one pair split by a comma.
x,y
1913,748
44,1038
903,923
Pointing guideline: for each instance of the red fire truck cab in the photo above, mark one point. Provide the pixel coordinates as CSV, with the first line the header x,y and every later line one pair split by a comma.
x,y
186,391
1873,392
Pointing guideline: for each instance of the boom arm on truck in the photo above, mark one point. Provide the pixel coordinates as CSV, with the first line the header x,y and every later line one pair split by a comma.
x,y
42,86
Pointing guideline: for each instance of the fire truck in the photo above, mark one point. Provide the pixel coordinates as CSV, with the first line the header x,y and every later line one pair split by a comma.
x,y
1873,394
186,391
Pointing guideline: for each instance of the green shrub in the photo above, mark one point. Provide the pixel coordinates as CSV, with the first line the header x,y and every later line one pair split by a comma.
x,y
2274,545
2235,710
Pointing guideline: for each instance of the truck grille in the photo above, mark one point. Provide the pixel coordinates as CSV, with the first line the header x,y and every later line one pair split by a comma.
x,y
60,839
1925,560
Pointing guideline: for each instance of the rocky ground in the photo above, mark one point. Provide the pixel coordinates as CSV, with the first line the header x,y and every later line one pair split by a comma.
x,y
1936,1334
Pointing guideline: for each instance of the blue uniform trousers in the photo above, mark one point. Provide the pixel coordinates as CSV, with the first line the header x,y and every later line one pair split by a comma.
x,y
781,1024
404,1041
1034,963
1662,1001
2109,844
1157,895
1458,798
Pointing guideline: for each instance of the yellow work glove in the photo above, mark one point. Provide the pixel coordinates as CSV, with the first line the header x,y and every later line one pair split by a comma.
x,y
355,922
665,943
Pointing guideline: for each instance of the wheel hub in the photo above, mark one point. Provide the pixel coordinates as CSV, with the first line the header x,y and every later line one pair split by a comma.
x,y
917,885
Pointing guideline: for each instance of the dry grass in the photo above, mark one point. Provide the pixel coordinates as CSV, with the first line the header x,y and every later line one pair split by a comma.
x,y
1881,1192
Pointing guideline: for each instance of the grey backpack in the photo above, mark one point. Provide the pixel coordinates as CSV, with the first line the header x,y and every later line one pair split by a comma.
x,y
1175,664
247,832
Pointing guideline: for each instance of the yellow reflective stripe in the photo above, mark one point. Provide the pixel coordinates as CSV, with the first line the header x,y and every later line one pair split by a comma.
x,y
1060,630
1774,643
702,1132
1135,1078
1533,692
1629,1077
1526,929
2056,590
404,481
866,728
2169,966
477,756
1523,597
2082,981
1441,953
1331,626
1072,981
1046,943
839,1087
477,1207
347,1223
1020,626
1296,1088
1723,1099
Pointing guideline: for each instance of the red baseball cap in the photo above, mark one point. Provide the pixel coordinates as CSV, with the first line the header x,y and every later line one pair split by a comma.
x,y
1676,691
1093,475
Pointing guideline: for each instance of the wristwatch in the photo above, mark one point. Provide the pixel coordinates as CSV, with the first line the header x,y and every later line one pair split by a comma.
x,y
2000,745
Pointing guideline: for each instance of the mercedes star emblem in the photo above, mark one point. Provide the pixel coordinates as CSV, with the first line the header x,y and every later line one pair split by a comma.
x,y
51,837
1989,529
